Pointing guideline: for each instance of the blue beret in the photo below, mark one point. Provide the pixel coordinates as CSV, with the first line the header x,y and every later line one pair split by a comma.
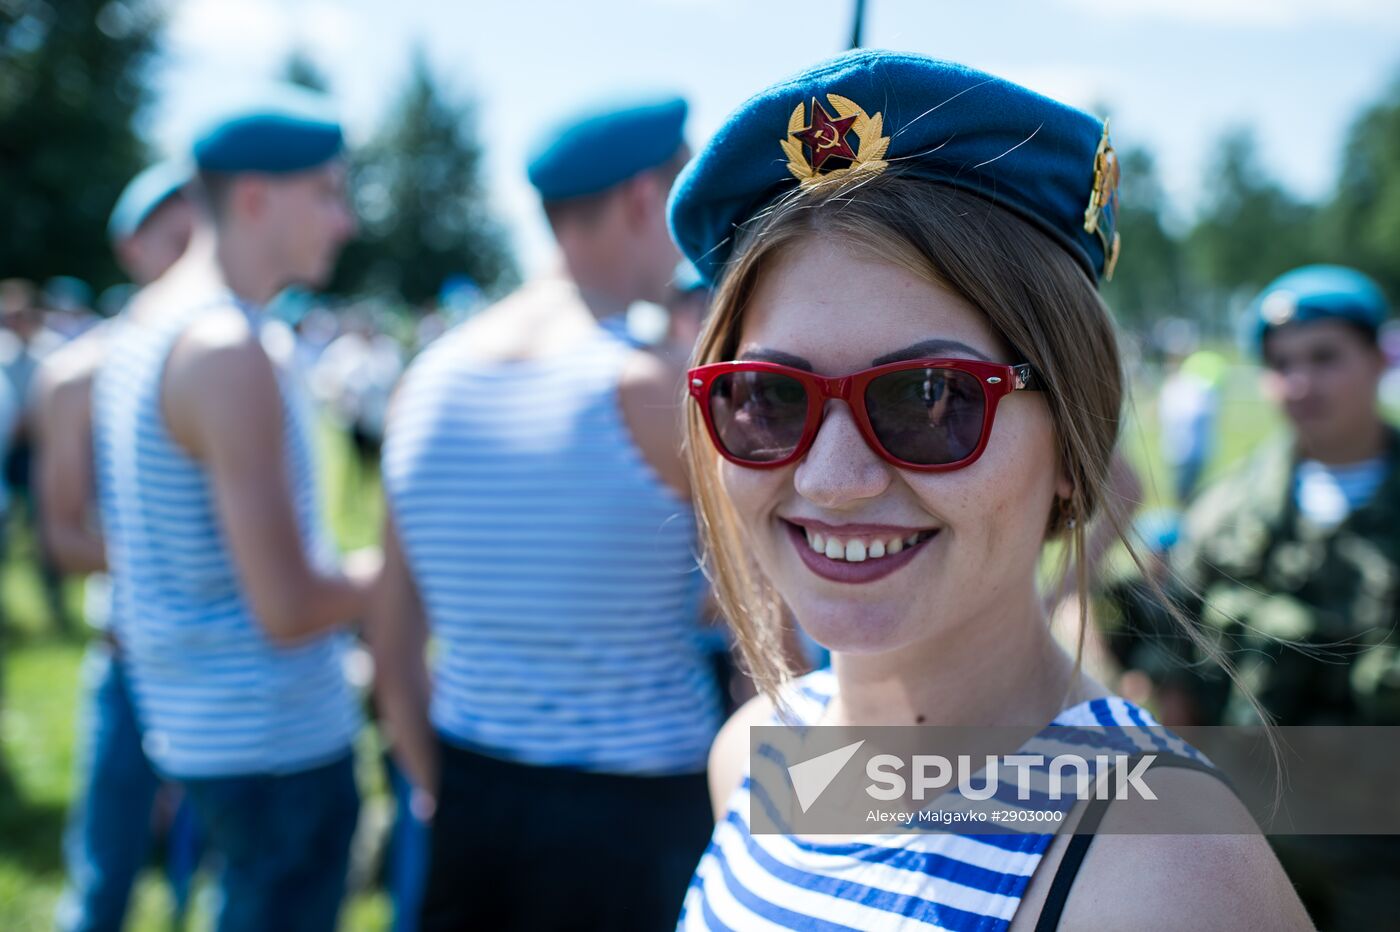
x,y
592,150
867,110
288,130
1316,292
143,194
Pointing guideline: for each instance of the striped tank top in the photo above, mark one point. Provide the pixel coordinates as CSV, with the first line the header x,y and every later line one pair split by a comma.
x,y
556,569
913,881
215,696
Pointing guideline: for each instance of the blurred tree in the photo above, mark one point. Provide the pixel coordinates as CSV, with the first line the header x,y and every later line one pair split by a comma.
x,y
1361,226
422,204
1149,282
72,81
299,69
1250,230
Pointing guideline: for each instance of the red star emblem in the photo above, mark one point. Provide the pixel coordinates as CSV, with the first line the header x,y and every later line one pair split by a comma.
x,y
827,137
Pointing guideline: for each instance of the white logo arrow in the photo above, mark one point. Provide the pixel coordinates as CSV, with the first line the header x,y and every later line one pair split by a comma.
x,y
811,777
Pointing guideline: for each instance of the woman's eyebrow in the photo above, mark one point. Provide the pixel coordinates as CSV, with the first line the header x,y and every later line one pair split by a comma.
x,y
931,348
761,354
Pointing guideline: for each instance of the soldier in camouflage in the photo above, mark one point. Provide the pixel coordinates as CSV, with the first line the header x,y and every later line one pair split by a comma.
x,y
1293,564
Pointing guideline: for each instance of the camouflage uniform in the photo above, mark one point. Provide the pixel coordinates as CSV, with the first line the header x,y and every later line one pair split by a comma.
x,y
1257,573
1307,614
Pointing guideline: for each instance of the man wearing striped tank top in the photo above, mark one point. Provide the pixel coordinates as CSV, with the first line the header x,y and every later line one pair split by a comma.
x,y
108,833
540,526
232,604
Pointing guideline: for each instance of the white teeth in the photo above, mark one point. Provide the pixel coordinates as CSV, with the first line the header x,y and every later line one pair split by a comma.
x,y
857,551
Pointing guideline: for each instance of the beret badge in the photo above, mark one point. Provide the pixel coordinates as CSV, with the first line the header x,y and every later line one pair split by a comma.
x,y
829,138
1105,193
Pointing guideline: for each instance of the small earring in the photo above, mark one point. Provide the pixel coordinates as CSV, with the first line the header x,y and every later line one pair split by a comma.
x,y
1064,512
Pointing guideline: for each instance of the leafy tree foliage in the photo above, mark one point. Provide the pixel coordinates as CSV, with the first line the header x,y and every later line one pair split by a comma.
x,y
72,83
300,70
1361,226
1149,281
422,203
1251,229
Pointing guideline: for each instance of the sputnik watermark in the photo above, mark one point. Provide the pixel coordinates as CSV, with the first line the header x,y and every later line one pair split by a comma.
x,y
1116,776
935,772
846,780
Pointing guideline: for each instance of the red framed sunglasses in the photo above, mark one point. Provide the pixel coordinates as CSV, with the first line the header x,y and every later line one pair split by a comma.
x,y
931,415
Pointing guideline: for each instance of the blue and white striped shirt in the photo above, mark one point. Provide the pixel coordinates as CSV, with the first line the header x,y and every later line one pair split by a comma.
x,y
557,571
215,696
914,880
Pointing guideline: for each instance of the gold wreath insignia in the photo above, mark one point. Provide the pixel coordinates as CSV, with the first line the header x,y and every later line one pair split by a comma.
x,y
1104,194
870,153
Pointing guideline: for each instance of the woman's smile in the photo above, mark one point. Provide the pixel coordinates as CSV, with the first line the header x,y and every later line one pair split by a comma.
x,y
855,553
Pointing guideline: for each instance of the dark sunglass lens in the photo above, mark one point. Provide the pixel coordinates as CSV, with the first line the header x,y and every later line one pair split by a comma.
x,y
927,416
759,416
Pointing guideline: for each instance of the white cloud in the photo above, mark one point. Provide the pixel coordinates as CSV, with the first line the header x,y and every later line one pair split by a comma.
x,y
252,32
329,31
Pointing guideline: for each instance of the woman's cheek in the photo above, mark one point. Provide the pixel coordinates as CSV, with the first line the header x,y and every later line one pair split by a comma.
x,y
752,492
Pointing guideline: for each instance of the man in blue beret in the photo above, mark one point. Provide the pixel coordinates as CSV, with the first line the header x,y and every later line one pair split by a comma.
x,y
152,221
232,605
540,526
1302,545
109,826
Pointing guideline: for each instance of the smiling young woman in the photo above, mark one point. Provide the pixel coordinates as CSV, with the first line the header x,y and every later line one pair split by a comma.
x,y
907,386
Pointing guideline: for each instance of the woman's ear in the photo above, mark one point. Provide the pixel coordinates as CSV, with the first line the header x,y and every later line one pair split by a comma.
x,y
1064,486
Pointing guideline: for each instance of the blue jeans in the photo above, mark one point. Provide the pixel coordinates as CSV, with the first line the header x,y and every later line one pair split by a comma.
x,y
408,854
109,826
284,844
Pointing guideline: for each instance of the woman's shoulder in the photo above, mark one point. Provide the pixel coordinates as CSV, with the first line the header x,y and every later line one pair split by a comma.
x,y
1193,853
729,754
802,701
1227,879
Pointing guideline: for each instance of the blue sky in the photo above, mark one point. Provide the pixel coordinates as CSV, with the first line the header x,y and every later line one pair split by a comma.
x,y
1174,73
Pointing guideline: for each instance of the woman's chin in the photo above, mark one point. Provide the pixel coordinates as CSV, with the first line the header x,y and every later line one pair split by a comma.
x,y
855,629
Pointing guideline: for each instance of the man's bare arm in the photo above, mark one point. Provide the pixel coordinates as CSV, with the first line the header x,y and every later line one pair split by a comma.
x,y
396,629
220,398
62,415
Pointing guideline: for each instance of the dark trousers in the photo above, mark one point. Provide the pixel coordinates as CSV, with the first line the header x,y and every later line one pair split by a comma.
x,y
548,849
285,846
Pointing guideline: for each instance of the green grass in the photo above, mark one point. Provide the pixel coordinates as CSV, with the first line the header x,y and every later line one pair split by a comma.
x,y
39,697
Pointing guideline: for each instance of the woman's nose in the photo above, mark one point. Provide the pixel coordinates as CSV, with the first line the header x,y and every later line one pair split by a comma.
x,y
840,468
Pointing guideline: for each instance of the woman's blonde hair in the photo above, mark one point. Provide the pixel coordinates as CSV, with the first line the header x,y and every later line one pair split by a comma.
x,y
1028,287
